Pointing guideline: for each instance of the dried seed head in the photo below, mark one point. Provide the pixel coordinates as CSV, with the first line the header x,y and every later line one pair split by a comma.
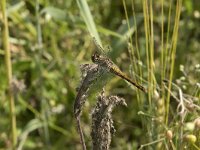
x,y
169,134
89,74
156,94
190,106
190,138
197,123
102,123
17,85
189,126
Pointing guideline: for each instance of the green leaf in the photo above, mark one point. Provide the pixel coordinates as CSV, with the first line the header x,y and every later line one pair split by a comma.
x,y
88,19
55,13
16,7
31,126
117,43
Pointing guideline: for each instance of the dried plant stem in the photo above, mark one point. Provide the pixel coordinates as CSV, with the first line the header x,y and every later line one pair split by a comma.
x,y
80,131
9,72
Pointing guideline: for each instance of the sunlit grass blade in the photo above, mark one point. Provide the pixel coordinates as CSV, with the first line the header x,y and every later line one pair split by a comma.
x,y
88,19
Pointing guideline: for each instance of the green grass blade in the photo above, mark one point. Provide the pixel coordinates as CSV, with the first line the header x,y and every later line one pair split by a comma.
x,y
88,19
118,44
31,126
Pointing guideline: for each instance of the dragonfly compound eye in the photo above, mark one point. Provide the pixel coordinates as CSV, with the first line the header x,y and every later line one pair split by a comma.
x,y
95,58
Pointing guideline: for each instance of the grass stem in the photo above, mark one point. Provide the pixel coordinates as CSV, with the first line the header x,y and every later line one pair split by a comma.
x,y
10,95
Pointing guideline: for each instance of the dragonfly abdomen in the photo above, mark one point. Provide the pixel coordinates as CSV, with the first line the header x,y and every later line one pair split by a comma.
x,y
118,72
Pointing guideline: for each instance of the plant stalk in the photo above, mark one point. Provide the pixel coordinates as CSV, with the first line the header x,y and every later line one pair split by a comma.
x,y
10,95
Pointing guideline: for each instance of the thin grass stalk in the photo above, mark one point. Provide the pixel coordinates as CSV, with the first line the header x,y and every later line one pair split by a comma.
x,y
152,66
162,45
165,50
136,42
173,54
139,99
81,133
166,54
147,38
130,38
5,37
40,68
132,51
163,56
135,53
146,26
148,19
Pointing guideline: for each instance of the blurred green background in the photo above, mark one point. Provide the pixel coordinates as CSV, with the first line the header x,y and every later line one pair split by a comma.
x,y
49,44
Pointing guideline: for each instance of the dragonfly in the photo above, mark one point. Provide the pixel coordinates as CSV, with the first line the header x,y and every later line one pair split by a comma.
x,y
107,63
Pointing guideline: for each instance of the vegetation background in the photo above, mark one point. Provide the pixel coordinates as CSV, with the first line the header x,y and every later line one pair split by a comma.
x,y
49,40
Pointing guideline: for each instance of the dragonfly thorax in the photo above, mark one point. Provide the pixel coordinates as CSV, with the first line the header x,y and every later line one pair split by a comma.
x,y
101,60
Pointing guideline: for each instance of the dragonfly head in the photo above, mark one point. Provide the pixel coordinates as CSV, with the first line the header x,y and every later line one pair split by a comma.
x,y
101,60
96,58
